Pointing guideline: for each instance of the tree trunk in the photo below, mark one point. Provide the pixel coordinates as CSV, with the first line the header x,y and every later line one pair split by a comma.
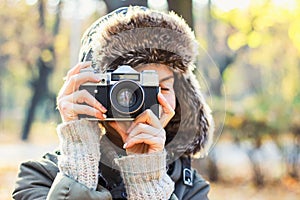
x,y
184,9
40,88
114,4
222,57
40,85
3,61
294,168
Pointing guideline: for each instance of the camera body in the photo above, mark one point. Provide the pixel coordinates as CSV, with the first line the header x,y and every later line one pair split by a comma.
x,y
125,93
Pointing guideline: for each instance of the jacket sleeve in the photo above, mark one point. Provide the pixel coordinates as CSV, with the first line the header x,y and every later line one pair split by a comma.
x,y
33,181
67,188
40,180
199,190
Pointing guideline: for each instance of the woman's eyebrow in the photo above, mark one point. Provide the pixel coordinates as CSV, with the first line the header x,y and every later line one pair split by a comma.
x,y
166,78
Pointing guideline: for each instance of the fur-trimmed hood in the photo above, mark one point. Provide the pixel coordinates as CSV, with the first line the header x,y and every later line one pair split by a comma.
x,y
136,35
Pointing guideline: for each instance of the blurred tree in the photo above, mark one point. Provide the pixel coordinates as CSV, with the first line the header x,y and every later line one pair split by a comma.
x,y
184,9
258,53
268,97
114,4
243,127
45,63
18,47
3,60
293,169
218,49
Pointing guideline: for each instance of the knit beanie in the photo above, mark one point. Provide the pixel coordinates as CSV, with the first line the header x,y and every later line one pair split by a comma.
x,y
137,35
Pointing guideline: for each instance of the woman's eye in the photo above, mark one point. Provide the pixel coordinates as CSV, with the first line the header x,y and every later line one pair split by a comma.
x,y
165,89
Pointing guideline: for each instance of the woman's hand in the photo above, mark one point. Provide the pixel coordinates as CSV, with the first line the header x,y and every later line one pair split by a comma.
x,y
146,134
71,101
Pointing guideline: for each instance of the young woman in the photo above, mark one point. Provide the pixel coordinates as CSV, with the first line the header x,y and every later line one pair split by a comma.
x,y
147,158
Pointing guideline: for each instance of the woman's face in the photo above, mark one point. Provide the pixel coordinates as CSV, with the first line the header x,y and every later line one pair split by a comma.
x,y
166,80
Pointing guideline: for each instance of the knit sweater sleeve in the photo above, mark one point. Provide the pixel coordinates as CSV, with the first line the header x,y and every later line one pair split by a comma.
x,y
145,176
80,151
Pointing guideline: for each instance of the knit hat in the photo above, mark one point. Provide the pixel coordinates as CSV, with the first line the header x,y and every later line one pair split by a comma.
x,y
137,35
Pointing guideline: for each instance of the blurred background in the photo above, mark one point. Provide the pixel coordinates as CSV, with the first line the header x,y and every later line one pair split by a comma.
x,y
250,67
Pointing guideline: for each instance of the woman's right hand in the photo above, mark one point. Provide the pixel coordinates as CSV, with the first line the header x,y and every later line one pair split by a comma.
x,y
71,101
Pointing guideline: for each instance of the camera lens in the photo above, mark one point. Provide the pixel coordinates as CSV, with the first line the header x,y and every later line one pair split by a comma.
x,y
127,97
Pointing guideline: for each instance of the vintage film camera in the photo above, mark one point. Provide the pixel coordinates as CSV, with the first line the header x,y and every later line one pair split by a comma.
x,y
125,93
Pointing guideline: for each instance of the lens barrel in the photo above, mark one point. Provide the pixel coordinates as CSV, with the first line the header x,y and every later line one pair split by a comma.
x,y
127,97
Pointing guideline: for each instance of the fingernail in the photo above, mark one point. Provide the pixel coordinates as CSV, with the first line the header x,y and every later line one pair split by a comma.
x,y
125,145
104,116
100,107
103,109
99,115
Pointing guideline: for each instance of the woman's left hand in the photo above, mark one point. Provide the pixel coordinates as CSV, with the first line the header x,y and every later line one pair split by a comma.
x,y
146,134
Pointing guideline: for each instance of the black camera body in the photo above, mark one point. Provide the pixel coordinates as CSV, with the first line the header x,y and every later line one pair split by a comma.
x,y
125,93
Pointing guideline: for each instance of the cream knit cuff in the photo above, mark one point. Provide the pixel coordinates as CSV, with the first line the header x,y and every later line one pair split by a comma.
x,y
145,176
80,151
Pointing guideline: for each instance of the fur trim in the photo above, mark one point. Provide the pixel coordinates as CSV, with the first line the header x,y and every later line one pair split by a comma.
x,y
191,129
140,35
144,36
